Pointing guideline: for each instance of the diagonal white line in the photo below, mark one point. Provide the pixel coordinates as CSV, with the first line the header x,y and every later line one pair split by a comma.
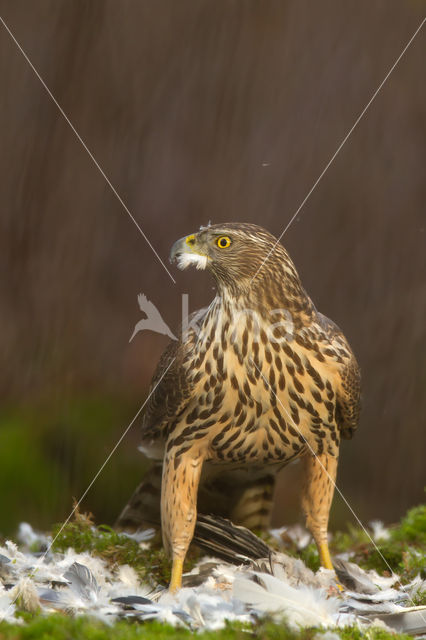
x,y
339,148
41,559
84,145
109,456
324,469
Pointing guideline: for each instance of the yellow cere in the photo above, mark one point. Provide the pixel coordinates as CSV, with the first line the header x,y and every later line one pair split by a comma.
x,y
190,240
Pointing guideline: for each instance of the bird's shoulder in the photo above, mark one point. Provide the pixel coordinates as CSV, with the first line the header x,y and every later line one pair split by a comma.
x,y
171,387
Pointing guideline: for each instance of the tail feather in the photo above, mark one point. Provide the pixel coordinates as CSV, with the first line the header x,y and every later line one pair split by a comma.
x,y
223,539
245,498
143,508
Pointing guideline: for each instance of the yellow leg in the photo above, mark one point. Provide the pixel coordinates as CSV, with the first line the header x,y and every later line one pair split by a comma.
x,y
181,475
325,559
176,579
324,555
320,475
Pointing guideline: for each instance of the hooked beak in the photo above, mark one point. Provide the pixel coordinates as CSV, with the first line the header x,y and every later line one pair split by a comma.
x,y
185,252
179,247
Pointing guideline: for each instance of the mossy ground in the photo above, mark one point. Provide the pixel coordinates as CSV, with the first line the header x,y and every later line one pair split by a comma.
x,y
60,627
151,564
403,551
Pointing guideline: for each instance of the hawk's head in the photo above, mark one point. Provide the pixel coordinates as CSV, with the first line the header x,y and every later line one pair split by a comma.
x,y
247,262
234,252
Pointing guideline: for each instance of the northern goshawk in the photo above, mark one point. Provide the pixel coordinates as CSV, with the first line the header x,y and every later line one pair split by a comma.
x,y
255,380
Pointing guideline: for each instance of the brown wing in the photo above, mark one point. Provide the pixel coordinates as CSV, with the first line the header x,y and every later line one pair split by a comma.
x,y
349,399
170,390
348,405
169,394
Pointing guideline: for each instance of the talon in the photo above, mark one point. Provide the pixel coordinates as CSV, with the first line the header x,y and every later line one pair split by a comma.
x,y
326,562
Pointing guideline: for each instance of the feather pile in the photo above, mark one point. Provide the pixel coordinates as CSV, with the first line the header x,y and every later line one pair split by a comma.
x,y
258,581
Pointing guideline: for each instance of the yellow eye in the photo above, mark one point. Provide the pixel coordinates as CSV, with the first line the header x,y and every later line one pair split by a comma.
x,y
223,242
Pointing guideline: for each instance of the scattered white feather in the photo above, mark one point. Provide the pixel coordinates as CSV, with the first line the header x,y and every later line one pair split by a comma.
x,y
328,635
207,607
82,581
12,551
141,536
383,582
296,534
414,588
7,607
25,594
78,583
380,532
128,576
294,572
28,537
300,607
184,260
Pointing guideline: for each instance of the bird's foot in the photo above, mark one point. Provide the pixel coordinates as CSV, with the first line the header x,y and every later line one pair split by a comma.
x,y
326,562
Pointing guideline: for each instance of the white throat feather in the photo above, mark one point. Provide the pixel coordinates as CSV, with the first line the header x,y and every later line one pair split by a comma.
x,y
184,260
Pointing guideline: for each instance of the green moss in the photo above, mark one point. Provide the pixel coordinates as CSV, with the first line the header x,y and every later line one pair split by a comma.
x,y
418,599
413,563
151,564
310,556
60,627
350,540
402,553
374,633
412,528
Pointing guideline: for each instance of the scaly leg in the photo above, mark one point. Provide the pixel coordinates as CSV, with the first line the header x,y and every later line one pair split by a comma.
x,y
181,476
318,489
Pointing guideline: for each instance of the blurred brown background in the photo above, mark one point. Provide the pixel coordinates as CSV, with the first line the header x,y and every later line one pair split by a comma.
x,y
202,110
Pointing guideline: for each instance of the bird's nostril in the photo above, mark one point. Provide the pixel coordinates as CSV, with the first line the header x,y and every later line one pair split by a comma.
x,y
190,240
